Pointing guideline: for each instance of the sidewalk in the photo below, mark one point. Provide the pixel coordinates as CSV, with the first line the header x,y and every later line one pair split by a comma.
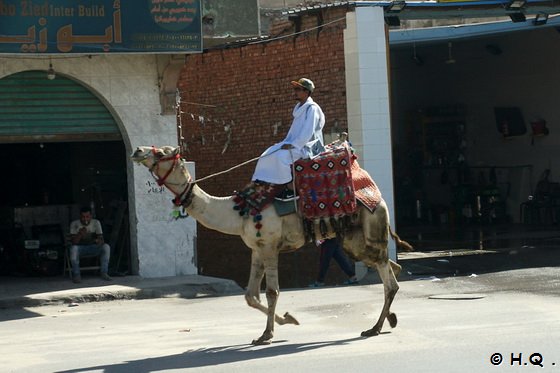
x,y
39,291
495,252
19,292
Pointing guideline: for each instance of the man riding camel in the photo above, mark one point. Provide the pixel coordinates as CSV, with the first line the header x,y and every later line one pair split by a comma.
x,y
304,139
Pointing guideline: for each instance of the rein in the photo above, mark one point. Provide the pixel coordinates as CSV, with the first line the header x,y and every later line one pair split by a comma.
x,y
184,198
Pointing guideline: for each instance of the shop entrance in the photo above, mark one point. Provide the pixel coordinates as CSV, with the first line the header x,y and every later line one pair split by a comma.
x,y
472,146
62,150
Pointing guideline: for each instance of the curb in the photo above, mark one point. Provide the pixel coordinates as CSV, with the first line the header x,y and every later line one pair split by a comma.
x,y
217,287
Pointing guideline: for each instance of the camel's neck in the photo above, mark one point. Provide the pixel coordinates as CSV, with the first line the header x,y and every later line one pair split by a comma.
x,y
216,213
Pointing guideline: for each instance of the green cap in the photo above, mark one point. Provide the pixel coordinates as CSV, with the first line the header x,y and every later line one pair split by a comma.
x,y
305,84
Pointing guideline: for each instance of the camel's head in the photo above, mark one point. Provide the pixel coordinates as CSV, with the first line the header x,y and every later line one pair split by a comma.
x,y
161,161
168,169
149,156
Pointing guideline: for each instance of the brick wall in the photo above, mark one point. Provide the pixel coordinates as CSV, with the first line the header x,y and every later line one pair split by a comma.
x,y
247,90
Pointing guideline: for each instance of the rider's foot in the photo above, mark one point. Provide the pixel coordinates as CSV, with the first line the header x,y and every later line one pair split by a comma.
x,y
287,195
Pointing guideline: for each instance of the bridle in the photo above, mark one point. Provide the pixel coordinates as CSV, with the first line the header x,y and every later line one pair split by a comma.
x,y
181,199
185,197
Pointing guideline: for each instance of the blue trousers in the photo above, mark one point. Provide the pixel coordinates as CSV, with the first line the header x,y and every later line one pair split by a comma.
x,y
331,249
76,251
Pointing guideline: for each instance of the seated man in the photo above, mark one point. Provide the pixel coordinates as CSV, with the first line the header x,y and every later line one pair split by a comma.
x,y
304,138
87,240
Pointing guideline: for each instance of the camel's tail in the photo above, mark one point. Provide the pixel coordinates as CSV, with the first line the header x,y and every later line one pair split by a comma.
x,y
405,245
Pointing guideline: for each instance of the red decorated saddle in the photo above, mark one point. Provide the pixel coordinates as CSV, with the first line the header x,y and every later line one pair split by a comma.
x,y
330,184
329,187
324,184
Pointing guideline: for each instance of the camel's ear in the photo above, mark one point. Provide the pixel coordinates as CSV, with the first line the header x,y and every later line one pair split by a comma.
x,y
177,150
168,150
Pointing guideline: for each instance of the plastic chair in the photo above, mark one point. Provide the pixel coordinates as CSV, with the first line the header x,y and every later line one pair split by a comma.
x,y
68,263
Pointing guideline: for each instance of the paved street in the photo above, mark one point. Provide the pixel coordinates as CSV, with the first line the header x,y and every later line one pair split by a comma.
x,y
516,312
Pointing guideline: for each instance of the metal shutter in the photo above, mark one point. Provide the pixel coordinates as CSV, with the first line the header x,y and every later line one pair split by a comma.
x,y
35,109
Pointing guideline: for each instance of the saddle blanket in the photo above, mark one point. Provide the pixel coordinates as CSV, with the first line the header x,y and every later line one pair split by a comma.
x,y
328,186
324,185
365,189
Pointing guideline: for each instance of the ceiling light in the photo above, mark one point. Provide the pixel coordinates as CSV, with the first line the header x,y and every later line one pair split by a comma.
x,y
396,6
50,73
516,4
450,59
517,17
416,58
540,19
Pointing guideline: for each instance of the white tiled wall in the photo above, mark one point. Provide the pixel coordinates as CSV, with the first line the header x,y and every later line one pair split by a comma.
x,y
367,96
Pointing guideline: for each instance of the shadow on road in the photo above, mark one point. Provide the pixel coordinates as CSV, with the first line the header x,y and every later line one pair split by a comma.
x,y
212,356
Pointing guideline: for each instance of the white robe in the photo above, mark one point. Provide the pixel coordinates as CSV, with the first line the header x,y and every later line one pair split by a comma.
x,y
306,137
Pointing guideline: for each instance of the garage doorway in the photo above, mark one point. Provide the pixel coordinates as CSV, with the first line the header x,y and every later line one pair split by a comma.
x,y
62,150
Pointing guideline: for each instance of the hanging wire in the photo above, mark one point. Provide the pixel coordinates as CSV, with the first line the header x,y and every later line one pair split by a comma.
x,y
297,33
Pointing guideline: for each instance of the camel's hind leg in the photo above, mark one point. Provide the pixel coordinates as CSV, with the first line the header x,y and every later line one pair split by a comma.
x,y
252,295
395,267
390,287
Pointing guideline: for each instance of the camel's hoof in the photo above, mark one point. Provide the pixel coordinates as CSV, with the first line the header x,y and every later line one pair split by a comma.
x,y
264,339
261,342
392,318
289,319
370,333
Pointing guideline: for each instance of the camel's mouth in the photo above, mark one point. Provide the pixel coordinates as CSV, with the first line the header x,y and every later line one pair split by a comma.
x,y
140,155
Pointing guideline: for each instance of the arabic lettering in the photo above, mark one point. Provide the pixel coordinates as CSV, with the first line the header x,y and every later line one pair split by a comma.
x,y
179,13
117,25
153,188
53,27
42,46
65,39
28,38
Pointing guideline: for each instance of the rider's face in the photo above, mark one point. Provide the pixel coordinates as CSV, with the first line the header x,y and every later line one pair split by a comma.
x,y
300,94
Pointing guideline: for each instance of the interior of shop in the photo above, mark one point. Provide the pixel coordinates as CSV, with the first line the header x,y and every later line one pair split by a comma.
x,y
475,131
43,189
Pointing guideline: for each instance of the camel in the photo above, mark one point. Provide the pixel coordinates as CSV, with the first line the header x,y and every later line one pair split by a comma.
x,y
367,241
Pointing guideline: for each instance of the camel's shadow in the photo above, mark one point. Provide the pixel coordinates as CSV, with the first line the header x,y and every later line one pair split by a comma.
x,y
212,356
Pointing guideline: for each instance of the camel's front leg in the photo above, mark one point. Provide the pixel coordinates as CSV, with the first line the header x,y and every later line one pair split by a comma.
x,y
390,287
252,295
272,292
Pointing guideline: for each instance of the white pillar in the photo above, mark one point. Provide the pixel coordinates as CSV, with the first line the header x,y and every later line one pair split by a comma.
x,y
367,98
166,247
